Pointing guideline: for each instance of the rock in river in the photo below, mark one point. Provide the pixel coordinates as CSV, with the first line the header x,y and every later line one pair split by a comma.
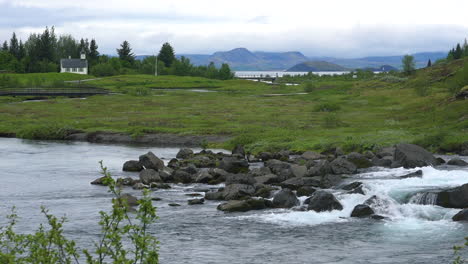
x,y
322,201
285,199
150,161
412,156
132,165
362,210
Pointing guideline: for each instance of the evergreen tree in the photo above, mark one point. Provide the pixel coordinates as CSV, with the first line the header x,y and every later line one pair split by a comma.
x,y
465,49
125,52
67,46
166,54
225,72
5,46
408,64
84,46
429,63
14,46
22,51
48,43
458,53
93,51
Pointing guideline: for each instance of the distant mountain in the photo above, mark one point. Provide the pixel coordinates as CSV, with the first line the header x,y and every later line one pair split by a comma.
x,y
243,59
314,66
394,61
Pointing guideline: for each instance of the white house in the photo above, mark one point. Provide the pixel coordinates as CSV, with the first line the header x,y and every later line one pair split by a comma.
x,y
79,66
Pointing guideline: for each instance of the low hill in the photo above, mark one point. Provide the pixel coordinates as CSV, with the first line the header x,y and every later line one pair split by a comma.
x,y
314,66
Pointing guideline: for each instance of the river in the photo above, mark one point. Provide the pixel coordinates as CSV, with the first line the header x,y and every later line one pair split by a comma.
x,y
57,175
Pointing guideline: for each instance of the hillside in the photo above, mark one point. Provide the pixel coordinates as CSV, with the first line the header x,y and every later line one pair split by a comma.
x,y
314,66
243,59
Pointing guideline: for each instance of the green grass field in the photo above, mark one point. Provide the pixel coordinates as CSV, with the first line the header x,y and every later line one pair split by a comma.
x,y
355,114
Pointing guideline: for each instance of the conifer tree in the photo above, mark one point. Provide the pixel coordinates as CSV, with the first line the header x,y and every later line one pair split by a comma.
x,y
14,46
166,54
93,52
458,53
5,46
429,63
125,52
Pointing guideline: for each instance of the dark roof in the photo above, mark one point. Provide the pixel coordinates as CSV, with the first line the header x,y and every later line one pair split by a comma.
x,y
74,63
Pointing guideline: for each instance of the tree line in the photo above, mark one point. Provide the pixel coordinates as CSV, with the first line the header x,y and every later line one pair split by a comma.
x,y
460,51
42,53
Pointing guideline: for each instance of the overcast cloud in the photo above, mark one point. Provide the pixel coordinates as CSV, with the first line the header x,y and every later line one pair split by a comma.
x,y
338,28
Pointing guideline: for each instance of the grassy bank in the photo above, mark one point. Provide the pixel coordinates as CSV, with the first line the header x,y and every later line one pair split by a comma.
x,y
355,114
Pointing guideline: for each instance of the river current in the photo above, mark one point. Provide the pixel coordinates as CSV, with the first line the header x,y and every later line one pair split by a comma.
x,y
58,175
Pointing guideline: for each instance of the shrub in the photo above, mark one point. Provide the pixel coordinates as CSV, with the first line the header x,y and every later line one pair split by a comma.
x,y
332,121
123,239
44,132
139,91
309,87
104,69
422,88
327,107
392,79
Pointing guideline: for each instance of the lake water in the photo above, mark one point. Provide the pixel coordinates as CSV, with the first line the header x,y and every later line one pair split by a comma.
x,y
57,175
282,73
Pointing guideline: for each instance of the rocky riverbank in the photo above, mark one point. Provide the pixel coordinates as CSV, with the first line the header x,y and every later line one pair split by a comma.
x,y
275,180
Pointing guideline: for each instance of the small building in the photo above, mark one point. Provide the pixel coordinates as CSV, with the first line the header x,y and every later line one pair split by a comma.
x,y
79,66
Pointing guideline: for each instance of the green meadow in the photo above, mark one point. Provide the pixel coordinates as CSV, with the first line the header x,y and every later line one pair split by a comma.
x,y
356,114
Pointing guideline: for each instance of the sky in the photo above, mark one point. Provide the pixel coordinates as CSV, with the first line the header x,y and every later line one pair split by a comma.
x,y
333,28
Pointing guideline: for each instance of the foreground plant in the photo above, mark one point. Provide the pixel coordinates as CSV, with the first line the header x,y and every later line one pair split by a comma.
x,y
458,258
124,237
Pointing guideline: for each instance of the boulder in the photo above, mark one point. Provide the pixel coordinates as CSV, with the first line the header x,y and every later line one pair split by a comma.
x,y
129,199
239,150
155,185
285,199
132,165
298,170
358,190
264,192
265,156
204,176
369,154
140,186
234,165
385,162
362,210
126,181
184,153
240,178
342,166
238,191
457,162
330,180
359,160
196,201
242,206
385,152
99,181
148,176
260,171
182,176
173,204
310,155
297,182
321,168
166,174
351,186
267,179
322,201
453,198
174,164
461,216
150,161
440,160
416,174
464,152
412,156
214,196
277,166
305,191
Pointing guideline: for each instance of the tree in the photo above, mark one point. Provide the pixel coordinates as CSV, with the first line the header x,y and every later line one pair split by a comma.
x,y
458,53
48,44
465,49
5,46
93,52
225,72
166,54
408,64
125,52
429,63
14,46
22,51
